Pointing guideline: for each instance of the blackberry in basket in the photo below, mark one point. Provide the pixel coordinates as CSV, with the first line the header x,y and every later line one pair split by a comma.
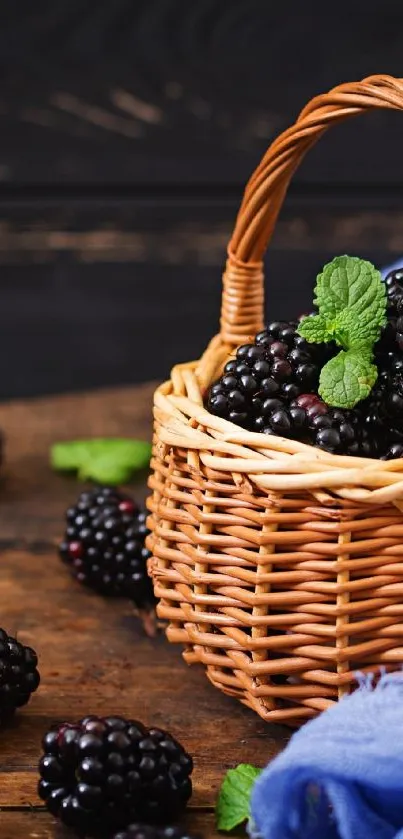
x,y
271,386
265,376
394,285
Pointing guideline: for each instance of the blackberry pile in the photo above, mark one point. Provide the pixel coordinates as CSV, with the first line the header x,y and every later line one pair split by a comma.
x,y
265,376
381,415
102,774
141,831
104,545
382,412
271,386
394,287
19,677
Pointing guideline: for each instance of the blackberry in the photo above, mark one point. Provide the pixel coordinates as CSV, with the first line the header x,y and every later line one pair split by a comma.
x,y
279,365
271,387
332,429
308,419
381,414
394,291
392,334
395,450
19,677
104,545
101,774
142,831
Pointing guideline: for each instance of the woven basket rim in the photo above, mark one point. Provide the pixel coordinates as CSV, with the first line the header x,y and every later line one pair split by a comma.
x,y
272,462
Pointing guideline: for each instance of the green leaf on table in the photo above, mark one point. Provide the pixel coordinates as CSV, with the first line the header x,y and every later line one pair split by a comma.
x,y
233,803
347,378
105,460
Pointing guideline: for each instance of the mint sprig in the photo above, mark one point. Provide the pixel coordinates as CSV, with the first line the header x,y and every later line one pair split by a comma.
x,y
233,803
106,460
347,378
351,301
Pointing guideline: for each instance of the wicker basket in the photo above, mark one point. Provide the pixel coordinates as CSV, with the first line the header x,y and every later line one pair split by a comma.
x,y
277,566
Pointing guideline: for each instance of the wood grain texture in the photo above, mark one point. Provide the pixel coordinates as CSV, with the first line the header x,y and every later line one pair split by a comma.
x,y
33,498
40,825
168,91
130,673
96,292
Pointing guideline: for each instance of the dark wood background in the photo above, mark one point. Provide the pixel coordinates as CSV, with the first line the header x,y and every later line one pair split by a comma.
x,y
127,130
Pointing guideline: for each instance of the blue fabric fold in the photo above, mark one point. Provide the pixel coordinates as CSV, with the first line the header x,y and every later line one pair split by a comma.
x,y
341,775
393,267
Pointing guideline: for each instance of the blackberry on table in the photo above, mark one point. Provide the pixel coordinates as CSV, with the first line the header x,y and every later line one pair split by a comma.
x,y
104,545
101,774
142,831
19,677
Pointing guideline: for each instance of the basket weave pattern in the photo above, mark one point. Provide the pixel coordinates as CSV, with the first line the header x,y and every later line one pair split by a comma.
x,y
277,566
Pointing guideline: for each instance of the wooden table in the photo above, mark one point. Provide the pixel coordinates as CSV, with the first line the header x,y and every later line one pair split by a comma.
x,y
93,653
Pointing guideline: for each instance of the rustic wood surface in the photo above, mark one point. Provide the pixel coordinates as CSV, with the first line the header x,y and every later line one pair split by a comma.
x,y
128,130
172,92
113,292
94,655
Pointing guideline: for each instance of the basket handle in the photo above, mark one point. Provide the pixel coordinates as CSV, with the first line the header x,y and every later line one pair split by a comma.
x,y
242,309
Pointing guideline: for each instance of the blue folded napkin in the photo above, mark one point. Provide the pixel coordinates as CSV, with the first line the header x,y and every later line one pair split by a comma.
x,y
341,775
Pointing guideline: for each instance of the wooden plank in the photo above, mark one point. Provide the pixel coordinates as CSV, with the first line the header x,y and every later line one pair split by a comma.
x,y
95,658
35,498
31,825
180,92
40,825
97,293
93,652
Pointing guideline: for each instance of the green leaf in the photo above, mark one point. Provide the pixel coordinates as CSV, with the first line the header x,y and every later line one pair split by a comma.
x,y
314,329
349,282
351,298
347,378
105,460
352,329
233,803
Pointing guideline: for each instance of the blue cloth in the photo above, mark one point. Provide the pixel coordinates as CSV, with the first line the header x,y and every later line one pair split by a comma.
x,y
397,264
341,775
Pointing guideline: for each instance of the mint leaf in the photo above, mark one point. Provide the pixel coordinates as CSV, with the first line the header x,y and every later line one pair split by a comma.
x,y
314,329
352,329
233,803
347,378
105,460
351,298
106,469
351,283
